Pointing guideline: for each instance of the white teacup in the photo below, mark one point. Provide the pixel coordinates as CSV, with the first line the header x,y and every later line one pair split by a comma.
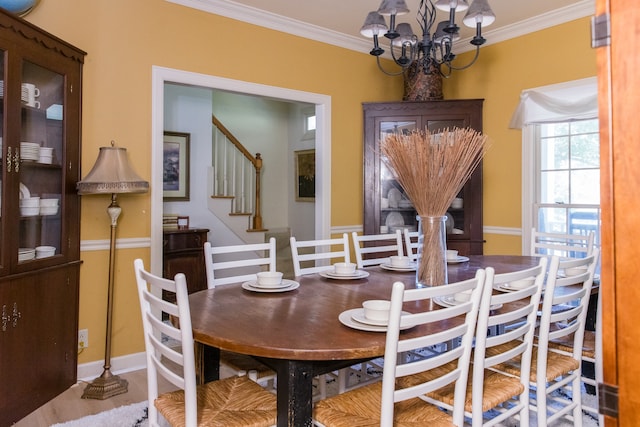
x,y
457,203
452,255
522,283
463,296
376,309
399,261
269,279
344,268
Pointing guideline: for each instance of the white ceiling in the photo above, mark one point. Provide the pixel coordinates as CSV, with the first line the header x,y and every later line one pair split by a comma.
x,y
338,21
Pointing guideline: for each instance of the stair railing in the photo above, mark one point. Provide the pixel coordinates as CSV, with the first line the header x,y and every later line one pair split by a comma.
x,y
236,174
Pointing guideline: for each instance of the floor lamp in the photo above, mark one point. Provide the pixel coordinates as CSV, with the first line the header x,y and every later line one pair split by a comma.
x,y
113,175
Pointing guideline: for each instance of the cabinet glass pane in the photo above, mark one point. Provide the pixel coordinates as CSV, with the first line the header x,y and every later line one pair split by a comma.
x,y
396,210
41,155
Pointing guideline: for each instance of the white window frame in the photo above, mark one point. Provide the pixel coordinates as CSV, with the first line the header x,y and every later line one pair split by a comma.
x,y
578,94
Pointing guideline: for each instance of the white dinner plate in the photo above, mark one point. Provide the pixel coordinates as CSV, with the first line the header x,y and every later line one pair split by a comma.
x,y
329,274
411,267
251,286
24,191
458,260
346,318
450,301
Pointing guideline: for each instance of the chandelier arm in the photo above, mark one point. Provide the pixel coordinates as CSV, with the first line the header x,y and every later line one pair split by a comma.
x,y
469,64
387,72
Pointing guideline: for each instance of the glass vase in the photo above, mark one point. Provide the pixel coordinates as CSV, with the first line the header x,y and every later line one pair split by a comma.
x,y
432,251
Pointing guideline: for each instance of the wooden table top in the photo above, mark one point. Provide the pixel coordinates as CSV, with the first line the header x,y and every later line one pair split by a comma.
x,y
303,324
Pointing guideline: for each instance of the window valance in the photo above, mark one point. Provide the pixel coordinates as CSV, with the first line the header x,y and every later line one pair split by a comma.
x,y
562,102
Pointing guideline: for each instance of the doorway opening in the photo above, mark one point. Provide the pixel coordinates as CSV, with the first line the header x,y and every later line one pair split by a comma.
x,y
322,103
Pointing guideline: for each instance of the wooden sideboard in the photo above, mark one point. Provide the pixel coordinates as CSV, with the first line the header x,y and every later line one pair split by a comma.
x,y
183,252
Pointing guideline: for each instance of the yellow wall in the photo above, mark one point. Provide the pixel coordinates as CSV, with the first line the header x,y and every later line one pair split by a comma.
x,y
125,38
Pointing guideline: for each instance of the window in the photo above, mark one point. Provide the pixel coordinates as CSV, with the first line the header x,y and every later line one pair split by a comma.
x,y
560,159
309,123
567,196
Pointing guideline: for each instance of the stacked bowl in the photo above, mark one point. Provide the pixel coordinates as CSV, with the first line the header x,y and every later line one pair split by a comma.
x,y
45,155
45,251
48,206
30,206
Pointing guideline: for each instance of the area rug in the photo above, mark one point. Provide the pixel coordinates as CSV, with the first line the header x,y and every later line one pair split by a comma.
x,y
134,415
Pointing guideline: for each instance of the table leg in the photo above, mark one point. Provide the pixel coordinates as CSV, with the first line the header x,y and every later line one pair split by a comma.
x,y
295,390
207,363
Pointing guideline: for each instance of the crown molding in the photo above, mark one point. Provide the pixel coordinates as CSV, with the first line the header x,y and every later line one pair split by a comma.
x,y
251,15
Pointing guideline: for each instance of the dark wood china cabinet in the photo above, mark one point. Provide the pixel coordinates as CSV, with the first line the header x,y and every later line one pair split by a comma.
x,y
40,111
386,206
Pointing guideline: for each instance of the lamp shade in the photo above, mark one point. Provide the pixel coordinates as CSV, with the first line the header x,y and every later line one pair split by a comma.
x,y
112,174
393,7
373,25
447,5
406,35
481,12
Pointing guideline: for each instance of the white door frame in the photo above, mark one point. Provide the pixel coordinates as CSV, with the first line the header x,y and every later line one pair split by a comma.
x,y
161,75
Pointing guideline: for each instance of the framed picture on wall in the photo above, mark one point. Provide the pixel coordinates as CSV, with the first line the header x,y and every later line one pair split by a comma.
x,y
175,166
305,178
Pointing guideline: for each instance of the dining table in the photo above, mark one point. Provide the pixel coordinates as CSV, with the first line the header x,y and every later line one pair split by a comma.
x,y
298,332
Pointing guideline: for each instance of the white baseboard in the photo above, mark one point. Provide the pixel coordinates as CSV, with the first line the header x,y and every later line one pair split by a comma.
x,y
119,365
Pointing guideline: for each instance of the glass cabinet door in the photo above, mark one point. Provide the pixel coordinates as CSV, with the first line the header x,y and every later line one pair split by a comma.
x,y
396,210
40,171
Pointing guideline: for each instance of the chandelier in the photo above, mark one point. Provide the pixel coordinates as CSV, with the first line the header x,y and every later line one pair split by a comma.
x,y
433,51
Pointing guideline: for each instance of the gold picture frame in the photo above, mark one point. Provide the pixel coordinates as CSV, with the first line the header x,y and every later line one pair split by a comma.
x,y
305,179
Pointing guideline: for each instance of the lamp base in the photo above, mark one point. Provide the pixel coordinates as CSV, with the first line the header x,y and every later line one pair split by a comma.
x,y
105,386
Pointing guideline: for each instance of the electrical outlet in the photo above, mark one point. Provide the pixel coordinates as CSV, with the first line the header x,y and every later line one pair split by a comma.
x,y
83,339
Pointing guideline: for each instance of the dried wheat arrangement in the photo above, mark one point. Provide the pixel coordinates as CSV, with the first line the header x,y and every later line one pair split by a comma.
x,y
432,168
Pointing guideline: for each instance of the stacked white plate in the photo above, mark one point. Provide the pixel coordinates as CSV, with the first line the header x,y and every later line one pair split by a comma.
x,y
2,88
45,155
29,151
26,254
45,251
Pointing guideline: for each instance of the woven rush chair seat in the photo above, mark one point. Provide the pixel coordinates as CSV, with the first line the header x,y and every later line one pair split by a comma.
x,y
588,345
361,408
557,364
498,387
231,402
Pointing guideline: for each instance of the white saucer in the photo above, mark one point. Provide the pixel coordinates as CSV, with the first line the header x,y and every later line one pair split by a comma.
x,y
359,274
346,318
411,267
504,287
458,260
358,316
251,286
450,301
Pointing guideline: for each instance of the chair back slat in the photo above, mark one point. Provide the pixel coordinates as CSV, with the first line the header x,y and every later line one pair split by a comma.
x,y
238,263
313,256
375,249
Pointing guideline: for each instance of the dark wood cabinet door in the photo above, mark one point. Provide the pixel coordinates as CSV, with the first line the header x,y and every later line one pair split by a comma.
x,y
183,252
386,207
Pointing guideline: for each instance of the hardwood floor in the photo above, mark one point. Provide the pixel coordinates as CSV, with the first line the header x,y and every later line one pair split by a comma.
x,y
70,405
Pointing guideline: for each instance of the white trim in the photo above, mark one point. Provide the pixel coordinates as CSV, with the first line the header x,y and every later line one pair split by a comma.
x,y
104,244
528,183
509,231
161,75
347,229
287,25
119,365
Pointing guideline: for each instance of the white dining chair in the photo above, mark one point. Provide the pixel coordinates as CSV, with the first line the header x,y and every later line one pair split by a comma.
x,y
375,249
504,331
385,403
238,263
233,264
231,401
313,256
563,245
563,316
411,243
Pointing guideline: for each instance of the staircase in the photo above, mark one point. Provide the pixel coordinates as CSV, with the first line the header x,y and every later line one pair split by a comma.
x,y
234,181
